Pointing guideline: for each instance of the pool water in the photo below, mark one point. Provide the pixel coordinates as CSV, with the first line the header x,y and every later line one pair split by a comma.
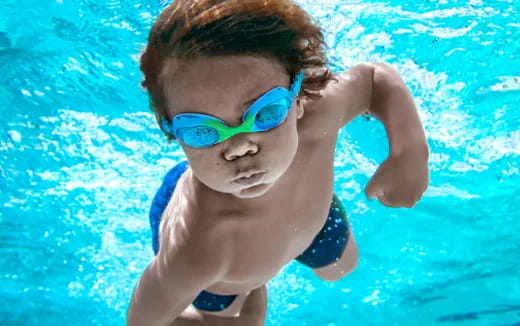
x,y
81,157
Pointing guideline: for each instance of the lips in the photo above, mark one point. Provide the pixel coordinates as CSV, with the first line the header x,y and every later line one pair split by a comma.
x,y
249,178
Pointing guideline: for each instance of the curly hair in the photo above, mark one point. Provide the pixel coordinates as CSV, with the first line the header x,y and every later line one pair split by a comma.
x,y
276,29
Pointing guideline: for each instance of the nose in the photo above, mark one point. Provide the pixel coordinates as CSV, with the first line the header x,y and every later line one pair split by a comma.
x,y
238,146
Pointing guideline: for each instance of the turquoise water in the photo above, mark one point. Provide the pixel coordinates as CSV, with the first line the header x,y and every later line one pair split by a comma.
x,y
80,158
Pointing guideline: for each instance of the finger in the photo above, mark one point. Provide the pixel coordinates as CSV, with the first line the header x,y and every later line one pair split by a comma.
x,y
372,190
389,201
384,200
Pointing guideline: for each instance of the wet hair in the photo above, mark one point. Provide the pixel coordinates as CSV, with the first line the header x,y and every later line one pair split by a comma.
x,y
277,29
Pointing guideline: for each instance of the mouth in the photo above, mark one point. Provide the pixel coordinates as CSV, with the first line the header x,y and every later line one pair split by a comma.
x,y
249,178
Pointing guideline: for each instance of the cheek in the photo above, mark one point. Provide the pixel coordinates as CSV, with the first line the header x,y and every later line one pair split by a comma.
x,y
203,163
290,130
284,140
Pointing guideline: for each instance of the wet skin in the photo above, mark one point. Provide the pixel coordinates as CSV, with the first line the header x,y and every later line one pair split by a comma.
x,y
264,225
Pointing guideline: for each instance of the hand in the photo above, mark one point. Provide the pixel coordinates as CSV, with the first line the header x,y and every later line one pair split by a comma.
x,y
401,180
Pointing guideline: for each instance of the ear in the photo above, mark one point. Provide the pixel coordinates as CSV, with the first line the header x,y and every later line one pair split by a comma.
x,y
299,108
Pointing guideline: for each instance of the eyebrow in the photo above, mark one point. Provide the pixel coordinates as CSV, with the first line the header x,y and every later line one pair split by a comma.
x,y
246,104
252,100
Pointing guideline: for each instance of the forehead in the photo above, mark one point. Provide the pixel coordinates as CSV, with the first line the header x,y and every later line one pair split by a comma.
x,y
196,85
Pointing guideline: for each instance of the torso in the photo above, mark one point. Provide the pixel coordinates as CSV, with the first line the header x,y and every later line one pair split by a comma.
x,y
264,241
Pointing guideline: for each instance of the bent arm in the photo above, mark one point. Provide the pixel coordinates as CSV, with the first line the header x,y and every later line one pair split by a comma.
x,y
378,89
393,104
403,177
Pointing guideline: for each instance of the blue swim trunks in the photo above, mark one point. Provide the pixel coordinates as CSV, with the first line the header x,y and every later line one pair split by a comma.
x,y
325,249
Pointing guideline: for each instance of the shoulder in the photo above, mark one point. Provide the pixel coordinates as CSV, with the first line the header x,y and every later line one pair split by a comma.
x,y
345,97
202,249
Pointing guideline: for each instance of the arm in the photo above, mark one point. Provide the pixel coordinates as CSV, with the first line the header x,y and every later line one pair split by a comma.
x,y
379,89
169,285
392,103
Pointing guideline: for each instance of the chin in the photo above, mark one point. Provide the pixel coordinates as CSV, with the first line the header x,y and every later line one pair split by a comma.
x,y
253,191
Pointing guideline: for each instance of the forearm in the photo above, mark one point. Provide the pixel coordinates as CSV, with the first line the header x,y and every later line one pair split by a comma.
x,y
140,310
149,306
392,103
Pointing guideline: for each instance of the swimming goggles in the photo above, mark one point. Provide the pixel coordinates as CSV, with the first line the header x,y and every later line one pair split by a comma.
x,y
267,112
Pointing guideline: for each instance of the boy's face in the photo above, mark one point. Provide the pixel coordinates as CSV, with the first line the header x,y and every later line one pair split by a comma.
x,y
225,87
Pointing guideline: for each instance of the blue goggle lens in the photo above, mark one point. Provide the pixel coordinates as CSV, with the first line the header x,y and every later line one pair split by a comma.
x,y
272,115
200,136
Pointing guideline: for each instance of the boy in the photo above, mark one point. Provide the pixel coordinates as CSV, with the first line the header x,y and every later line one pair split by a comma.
x,y
242,86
